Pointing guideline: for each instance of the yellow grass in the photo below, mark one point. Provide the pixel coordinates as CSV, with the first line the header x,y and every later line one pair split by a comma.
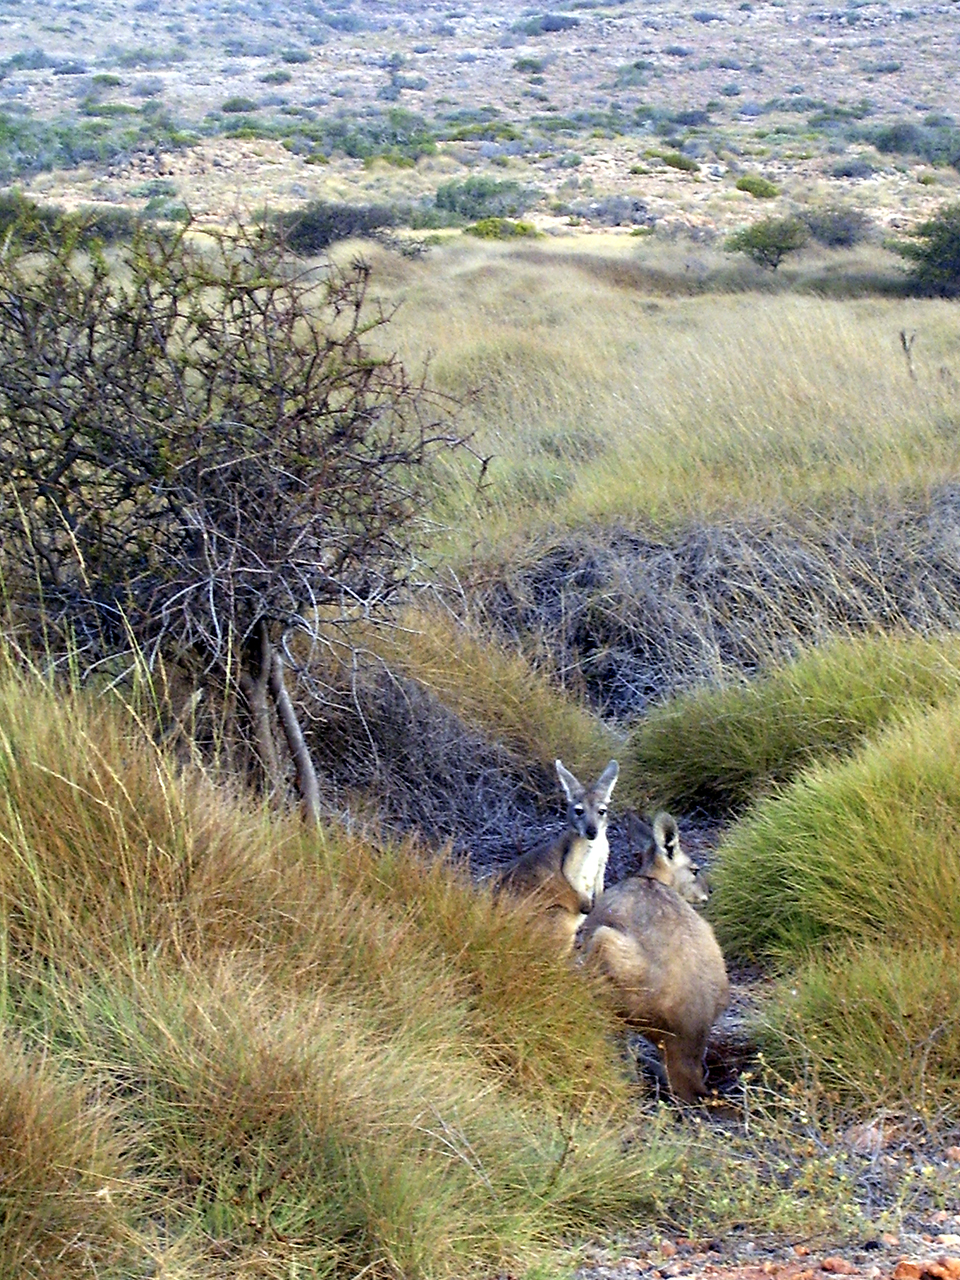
x,y
601,401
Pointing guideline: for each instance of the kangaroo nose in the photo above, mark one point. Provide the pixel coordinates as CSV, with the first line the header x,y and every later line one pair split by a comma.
x,y
590,830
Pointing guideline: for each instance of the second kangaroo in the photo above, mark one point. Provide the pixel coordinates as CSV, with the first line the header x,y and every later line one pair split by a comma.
x,y
663,968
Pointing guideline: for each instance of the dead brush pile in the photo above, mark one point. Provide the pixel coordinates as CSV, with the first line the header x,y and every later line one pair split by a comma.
x,y
628,617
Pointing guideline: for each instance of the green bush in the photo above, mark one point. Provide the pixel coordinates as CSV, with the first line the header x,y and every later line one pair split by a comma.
x,y
312,229
768,241
500,229
934,250
678,161
722,748
837,226
482,197
756,185
868,849
236,105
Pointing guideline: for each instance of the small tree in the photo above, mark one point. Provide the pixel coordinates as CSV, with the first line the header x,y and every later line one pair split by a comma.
x,y
768,241
201,455
935,252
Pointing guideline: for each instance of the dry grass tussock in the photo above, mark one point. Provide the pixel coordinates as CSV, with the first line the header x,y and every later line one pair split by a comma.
x,y
599,401
235,1046
629,618
433,727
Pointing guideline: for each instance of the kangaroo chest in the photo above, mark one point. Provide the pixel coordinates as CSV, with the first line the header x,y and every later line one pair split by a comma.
x,y
585,862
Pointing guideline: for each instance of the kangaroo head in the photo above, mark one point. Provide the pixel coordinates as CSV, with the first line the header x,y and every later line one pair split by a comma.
x,y
587,806
661,857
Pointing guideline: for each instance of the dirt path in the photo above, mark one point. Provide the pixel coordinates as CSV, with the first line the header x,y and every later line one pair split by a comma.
x,y
920,1256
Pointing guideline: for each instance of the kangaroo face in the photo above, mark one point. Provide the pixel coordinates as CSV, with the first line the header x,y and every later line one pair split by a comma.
x,y
661,857
684,871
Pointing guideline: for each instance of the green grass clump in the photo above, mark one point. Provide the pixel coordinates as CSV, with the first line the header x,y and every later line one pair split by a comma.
x,y
865,849
500,229
871,1027
756,185
676,160
725,747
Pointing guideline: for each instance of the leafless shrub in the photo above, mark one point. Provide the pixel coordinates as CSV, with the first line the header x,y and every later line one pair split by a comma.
x,y
201,458
631,618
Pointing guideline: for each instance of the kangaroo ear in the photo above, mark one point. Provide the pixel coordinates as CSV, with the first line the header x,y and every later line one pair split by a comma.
x,y
608,780
642,843
569,783
666,834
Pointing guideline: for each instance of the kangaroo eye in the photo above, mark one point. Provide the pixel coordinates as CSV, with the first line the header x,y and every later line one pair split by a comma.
x,y
578,810
602,810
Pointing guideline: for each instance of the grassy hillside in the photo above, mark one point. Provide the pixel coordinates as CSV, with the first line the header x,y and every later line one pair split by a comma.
x,y
231,1044
603,397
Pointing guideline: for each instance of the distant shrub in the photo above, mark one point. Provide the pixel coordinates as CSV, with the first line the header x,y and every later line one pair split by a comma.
x,y
608,211
500,229
312,229
530,66
634,73
678,161
280,76
237,105
938,144
546,24
677,50
730,90
481,197
837,226
73,68
106,80
29,60
148,87
758,186
934,250
706,16
854,167
691,118
295,55
768,241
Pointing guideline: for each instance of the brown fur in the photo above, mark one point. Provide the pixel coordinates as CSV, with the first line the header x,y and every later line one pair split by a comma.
x,y
665,972
564,876
660,857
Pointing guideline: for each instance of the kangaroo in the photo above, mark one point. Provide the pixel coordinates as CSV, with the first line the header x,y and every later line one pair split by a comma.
x,y
664,971
564,876
661,857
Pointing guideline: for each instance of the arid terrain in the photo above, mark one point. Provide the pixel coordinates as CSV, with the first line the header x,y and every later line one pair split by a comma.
x,y
581,103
